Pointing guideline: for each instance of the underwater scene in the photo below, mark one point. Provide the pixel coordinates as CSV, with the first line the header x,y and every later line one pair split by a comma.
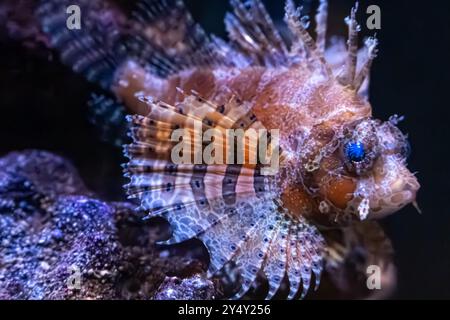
x,y
224,150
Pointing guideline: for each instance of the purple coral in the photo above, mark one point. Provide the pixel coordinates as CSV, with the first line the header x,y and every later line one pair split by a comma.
x,y
58,242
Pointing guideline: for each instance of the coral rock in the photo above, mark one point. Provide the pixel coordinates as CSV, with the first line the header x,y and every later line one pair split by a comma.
x,y
59,242
194,288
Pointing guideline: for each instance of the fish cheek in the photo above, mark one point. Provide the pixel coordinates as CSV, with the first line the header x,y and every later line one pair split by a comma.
x,y
298,202
334,185
339,191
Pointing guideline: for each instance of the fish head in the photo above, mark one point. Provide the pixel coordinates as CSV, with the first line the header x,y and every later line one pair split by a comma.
x,y
361,171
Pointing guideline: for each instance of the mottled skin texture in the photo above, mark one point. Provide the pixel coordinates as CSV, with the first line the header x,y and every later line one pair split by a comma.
x,y
296,101
290,93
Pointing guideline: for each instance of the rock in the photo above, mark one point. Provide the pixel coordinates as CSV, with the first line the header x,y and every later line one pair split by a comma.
x,y
193,288
21,24
40,172
58,241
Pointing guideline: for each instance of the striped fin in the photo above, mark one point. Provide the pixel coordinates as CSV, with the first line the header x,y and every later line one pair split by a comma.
x,y
310,253
193,197
294,263
160,35
347,77
96,49
303,41
229,239
165,36
274,244
231,208
152,135
251,29
252,254
304,258
276,260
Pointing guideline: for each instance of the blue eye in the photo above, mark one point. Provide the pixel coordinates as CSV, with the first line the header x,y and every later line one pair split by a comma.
x,y
354,151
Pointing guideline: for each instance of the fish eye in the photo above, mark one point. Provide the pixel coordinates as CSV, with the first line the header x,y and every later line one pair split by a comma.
x,y
355,151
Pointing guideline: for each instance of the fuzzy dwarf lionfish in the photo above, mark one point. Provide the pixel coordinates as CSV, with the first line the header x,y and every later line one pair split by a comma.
x,y
338,166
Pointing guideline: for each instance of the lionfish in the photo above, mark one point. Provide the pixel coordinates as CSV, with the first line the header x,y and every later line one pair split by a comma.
x,y
337,164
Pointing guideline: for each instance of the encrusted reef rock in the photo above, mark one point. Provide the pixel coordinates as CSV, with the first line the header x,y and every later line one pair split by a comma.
x,y
194,288
57,241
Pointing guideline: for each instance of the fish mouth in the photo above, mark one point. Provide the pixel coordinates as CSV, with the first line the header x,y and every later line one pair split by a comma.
x,y
402,190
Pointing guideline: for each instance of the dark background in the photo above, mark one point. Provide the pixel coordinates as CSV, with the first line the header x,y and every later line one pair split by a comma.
x,y
43,105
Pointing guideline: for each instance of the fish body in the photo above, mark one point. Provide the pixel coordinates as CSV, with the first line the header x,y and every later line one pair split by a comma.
x,y
336,164
291,92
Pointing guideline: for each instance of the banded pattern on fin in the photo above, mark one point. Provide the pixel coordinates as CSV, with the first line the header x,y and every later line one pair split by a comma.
x,y
251,29
164,37
95,50
233,239
263,239
160,35
193,197
252,254
231,208
348,75
254,35
275,263
305,254
302,38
